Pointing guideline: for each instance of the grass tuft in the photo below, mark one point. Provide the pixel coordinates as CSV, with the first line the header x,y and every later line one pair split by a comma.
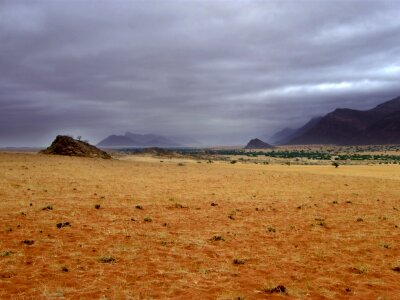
x,y
361,269
178,205
6,253
107,259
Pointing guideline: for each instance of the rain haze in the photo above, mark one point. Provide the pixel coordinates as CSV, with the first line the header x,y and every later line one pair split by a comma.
x,y
220,72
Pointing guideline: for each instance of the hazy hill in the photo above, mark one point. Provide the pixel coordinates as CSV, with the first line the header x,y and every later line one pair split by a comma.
x,y
282,135
117,140
138,140
286,135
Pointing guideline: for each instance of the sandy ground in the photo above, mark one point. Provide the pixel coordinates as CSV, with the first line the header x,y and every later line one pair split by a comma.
x,y
321,232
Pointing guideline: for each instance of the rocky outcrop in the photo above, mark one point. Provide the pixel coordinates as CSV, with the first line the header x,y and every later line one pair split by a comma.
x,y
66,145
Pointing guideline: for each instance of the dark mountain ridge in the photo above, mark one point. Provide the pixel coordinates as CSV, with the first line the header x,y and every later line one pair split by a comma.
x,y
344,126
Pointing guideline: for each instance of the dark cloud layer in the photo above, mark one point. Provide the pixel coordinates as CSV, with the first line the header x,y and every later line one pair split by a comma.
x,y
219,71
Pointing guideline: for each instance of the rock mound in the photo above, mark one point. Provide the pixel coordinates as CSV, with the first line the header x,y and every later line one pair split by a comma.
x,y
66,145
258,144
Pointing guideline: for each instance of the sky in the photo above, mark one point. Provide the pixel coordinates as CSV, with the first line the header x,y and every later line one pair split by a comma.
x,y
221,72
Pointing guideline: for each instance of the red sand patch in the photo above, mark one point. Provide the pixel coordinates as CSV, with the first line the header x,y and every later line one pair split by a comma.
x,y
282,223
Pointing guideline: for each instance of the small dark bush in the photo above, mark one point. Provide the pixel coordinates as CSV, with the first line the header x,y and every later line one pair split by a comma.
x,y
217,238
238,261
396,268
277,289
64,224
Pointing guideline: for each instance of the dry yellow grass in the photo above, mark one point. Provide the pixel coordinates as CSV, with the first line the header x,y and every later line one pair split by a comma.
x,y
321,232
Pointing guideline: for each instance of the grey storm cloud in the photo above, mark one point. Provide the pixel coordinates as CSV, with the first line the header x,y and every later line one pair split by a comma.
x,y
221,72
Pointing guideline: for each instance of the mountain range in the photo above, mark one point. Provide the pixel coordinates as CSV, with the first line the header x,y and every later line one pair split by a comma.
x,y
130,139
344,126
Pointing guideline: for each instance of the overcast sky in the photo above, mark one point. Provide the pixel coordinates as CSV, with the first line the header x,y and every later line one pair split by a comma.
x,y
219,71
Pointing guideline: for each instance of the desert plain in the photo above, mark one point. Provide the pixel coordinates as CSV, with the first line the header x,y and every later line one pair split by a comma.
x,y
148,228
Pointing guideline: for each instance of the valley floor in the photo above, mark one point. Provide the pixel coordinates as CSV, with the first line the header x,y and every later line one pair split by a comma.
x,y
165,230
